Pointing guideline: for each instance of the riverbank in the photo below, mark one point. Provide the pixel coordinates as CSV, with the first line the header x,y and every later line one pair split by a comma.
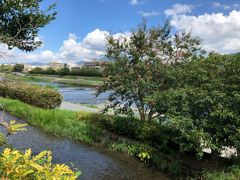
x,y
71,80
78,126
86,81
97,130
94,163
79,107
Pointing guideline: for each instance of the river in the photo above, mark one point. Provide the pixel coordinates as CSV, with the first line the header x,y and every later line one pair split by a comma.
x,y
99,164
78,94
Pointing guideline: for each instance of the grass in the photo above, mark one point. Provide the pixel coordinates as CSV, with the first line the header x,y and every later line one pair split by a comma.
x,y
20,78
231,173
80,126
57,122
74,125
72,80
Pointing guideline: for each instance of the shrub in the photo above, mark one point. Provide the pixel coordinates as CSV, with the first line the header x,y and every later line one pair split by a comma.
x,y
43,97
17,165
161,137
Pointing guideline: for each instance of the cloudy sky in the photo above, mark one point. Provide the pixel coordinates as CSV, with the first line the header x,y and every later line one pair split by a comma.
x,y
78,33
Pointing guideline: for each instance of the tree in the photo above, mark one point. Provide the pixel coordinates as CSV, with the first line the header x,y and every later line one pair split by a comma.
x,y
207,94
36,70
20,22
50,70
139,66
6,68
64,71
18,68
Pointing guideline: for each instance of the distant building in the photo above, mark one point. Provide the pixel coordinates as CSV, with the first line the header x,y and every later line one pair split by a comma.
x,y
57,66
27,68
94,64
74,66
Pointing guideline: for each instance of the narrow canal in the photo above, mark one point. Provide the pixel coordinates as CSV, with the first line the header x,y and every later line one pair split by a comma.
x,y
94,163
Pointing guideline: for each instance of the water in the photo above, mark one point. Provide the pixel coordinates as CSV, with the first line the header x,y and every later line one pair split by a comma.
x,y
77,94
98,164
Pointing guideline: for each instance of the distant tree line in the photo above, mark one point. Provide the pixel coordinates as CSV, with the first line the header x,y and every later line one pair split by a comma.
x,y
66,71
50,71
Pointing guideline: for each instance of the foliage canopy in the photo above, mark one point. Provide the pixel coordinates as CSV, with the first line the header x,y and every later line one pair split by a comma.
x,y
20,22
139,66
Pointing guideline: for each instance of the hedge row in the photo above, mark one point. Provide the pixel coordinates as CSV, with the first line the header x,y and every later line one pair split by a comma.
x,y
38,96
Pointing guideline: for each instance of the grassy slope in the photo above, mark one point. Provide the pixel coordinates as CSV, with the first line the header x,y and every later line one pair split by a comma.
x,y
71,80
58,122
79,126
75,125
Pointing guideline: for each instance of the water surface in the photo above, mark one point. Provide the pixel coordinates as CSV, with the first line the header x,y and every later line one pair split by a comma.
x,y
78,94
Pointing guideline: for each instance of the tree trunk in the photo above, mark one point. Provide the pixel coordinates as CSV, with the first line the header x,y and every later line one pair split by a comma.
x,y
141,113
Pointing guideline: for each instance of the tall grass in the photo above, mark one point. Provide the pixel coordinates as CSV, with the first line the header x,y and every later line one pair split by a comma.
x,y
232,173
80,126
58,122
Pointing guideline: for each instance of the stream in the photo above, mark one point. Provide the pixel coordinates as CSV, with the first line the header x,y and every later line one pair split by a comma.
x,y
99,164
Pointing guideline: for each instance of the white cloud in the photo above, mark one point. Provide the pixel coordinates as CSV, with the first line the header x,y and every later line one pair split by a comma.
x,y
6,55
219,32
72,49
92,46
225,6
178,9
148,14
134,2
216,4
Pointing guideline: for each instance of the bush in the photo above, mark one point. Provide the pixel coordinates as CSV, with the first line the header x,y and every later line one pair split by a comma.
x,y
43,97
17,165
161,137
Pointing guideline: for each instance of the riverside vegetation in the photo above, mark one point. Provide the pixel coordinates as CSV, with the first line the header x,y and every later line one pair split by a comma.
x,y
34,95
187,100
86,81
66,71
15,164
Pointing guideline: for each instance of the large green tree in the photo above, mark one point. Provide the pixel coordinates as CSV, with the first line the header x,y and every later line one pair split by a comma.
x,y
18,68
20,22
204,103
139,66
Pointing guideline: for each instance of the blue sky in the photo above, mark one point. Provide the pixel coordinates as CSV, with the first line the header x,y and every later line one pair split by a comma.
x,y
78,31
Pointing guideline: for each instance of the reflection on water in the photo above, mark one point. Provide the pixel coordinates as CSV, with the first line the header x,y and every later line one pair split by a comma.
x,y
76,94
